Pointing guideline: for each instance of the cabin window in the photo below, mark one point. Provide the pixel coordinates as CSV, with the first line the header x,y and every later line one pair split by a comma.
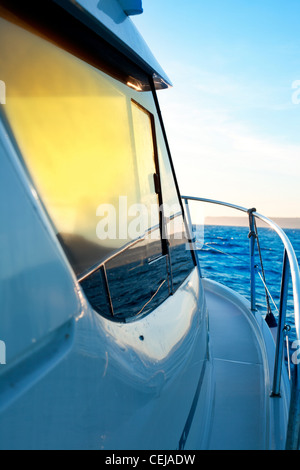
x,y
94,151
181,258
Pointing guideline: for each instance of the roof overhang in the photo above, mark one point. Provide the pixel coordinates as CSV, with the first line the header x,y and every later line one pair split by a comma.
x,y
109,20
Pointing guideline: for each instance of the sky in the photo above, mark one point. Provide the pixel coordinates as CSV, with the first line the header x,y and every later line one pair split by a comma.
x,y
233,114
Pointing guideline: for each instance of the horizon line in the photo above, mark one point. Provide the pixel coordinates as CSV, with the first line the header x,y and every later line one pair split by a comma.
x,y
236,221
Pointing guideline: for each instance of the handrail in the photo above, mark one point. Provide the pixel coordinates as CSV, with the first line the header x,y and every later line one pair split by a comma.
x,y
290,268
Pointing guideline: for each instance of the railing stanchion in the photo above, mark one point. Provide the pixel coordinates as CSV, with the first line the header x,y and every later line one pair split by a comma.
x,y
252,237
281,326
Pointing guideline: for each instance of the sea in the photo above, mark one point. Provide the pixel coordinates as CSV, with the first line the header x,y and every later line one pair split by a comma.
x,y
224,257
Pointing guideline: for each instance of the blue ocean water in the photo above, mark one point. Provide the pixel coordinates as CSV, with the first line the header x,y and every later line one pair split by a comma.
x,y
224,257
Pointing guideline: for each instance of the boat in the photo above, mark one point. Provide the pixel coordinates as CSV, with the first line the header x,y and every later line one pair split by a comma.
x,y
111,337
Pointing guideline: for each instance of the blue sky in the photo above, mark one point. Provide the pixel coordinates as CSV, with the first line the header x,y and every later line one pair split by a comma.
x,y
232,117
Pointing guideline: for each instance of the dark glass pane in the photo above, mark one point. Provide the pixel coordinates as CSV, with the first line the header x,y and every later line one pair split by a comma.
x,y
138,279
96,291
182,261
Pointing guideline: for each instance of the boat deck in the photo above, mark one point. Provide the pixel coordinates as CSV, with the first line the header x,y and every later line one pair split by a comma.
x,y
242,382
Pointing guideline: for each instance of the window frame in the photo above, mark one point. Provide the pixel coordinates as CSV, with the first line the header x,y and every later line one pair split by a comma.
x,y
166,248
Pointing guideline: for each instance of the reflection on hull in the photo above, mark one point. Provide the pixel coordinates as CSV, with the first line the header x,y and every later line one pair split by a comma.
x,y
133,288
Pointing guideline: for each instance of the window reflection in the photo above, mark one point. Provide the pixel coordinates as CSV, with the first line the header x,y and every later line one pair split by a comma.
x,y
181,258
138,279
132,283
96,289
88,140
182,262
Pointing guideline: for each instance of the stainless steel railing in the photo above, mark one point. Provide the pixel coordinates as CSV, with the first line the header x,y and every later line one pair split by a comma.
x,y
290,270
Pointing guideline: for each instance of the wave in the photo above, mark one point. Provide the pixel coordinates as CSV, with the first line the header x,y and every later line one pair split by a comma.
x,y
224,257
